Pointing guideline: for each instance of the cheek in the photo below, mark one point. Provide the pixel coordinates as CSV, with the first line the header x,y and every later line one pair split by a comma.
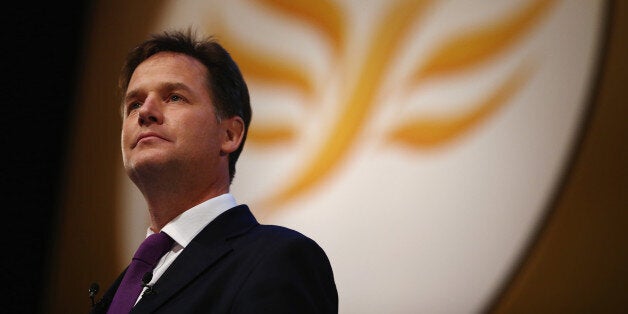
x,y
202,137
125,137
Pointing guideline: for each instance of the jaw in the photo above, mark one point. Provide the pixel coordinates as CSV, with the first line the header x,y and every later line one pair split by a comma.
x,y
144,162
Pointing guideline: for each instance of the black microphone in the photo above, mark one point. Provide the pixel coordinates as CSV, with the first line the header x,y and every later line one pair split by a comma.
x,y
93,289
148,276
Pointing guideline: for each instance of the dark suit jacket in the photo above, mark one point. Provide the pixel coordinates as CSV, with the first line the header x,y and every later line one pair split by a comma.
x,y
236,265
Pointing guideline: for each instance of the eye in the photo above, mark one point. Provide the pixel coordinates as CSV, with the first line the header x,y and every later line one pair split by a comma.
x,y
133,106
175,97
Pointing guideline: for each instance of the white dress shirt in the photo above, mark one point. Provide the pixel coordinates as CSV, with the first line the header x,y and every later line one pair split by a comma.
x,y
183,228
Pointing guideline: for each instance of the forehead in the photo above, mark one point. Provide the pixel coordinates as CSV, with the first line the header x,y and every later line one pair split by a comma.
x,y
168,66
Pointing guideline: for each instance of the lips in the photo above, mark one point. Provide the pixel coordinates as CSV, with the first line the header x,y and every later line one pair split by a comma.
x,y
147,135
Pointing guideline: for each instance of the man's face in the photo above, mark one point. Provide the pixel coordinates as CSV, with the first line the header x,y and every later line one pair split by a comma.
x,y
169,118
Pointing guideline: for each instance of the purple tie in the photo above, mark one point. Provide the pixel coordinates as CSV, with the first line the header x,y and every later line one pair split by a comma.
x,y
145,259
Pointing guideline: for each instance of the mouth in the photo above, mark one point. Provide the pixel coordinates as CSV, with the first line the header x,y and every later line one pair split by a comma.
x,y
144,137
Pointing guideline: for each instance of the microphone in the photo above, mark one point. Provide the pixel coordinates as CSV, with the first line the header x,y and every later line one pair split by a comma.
x,y
148,276
93,289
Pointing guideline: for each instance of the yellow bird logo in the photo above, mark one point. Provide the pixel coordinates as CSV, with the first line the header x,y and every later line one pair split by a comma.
x,y
469,50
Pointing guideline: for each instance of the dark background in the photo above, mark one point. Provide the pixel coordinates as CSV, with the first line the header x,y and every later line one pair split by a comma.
x,y
41,45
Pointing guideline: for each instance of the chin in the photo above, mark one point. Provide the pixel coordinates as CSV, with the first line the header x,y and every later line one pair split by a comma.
x,y
146,163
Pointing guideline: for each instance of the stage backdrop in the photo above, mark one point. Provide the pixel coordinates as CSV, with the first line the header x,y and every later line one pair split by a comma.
x,y
419,143
422,144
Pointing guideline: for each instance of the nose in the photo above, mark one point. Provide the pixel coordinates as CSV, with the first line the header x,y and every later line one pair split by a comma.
x,y
150,112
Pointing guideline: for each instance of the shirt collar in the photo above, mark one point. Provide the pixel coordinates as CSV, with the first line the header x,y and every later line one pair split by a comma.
x,y
183,228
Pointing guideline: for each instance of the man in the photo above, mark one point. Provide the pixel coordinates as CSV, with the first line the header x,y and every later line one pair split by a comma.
x,y
186,114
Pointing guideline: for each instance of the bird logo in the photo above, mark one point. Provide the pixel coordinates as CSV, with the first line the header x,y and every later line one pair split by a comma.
x,y
358,81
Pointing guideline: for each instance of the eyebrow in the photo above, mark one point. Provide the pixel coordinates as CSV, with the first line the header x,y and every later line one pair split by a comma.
x,y
169,86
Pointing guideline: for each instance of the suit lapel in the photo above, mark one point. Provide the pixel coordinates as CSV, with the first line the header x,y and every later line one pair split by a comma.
x,y
202,252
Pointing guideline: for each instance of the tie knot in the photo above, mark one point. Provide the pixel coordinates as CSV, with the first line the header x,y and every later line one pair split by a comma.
x,y
153,248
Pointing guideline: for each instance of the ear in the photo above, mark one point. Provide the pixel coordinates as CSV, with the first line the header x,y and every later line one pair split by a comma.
x,y
233,131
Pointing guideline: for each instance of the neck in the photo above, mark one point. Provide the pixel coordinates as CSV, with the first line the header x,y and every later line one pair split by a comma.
x,y
167,197
162,210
